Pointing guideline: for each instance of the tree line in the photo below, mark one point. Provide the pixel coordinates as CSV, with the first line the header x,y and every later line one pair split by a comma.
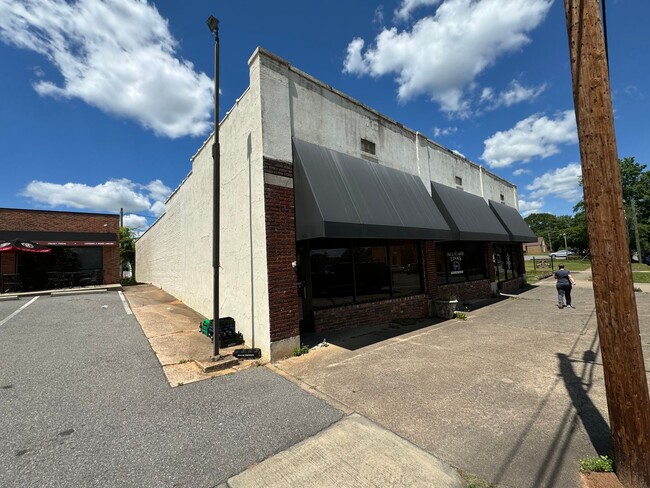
x,y
635,181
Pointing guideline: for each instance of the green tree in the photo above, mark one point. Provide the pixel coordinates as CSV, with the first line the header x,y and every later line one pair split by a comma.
x,y
127,249
635,183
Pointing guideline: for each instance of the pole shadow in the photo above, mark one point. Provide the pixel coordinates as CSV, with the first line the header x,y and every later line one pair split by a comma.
x,y
592,420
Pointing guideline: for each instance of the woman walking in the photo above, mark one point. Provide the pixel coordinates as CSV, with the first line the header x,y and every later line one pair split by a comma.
x,y
564,283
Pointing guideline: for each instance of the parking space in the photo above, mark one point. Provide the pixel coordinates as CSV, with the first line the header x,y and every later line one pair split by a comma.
x,y
85,403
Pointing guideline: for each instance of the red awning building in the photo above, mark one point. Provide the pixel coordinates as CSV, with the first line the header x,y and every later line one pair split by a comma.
x,y
79,242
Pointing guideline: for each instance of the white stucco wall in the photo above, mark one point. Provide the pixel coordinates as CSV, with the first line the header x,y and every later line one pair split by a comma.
x,y
297,104
176,253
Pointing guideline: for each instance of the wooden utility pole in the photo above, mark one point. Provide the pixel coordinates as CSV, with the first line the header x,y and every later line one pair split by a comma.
x,y
618,322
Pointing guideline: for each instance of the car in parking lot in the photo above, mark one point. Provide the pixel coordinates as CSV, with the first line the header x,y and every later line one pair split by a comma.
x,y
562,253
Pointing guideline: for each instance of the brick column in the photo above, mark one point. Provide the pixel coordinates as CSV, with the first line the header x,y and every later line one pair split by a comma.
x,y
281,252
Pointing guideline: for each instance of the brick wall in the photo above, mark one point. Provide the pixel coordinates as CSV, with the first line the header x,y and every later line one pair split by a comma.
x,y
511,286
280,253
469,290
50,221
415,306
47,221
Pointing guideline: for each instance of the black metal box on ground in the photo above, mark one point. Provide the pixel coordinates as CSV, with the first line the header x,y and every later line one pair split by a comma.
x,y
228,336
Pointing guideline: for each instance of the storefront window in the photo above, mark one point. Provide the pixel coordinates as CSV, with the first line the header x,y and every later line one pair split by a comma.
x,y
372,278
506,260
382,270
406,275
457,262
331,276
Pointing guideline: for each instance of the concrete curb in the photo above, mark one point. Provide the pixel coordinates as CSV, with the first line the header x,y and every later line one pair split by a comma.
x,y
78,292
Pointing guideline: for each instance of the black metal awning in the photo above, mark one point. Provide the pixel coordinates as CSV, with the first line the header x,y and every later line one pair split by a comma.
x,y
468,215
342,196
513,222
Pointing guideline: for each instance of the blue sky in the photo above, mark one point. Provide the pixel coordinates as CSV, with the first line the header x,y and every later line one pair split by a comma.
x,y
103,103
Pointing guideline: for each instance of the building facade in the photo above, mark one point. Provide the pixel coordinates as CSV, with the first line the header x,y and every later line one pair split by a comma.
x,y
80,242
332,215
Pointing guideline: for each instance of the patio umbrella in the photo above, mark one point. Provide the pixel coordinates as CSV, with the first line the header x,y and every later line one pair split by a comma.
x,y
19,245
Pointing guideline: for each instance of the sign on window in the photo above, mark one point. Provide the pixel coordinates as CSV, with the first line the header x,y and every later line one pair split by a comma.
x,y
456,262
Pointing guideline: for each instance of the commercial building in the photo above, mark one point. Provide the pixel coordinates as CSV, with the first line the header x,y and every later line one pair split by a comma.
x,y
332,215
80,242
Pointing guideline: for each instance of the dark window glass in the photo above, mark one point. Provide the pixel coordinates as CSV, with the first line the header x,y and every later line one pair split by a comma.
x,y
460,261
441,267
405,269
331,276
371,272
507,262
367,146
475,255
381,270
76,258
459,181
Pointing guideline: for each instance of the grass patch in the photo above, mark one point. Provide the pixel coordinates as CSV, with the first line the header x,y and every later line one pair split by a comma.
x,y
299,351
640,277
460,315
474,481
640,267
600,464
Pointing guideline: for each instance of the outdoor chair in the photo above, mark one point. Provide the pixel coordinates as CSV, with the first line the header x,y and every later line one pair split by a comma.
x,y
56,279
11,283
96,278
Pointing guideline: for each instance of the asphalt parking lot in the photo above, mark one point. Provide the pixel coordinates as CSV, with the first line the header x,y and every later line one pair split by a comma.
x,y
85,403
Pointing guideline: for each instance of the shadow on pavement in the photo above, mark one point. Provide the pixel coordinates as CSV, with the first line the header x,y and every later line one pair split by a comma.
x,y
359,337
578,388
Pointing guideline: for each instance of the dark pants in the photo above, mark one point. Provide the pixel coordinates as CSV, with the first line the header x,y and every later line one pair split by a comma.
x,y
563,291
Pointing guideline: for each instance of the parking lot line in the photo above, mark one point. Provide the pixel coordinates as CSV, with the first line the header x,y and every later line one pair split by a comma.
x,y
4,321
127,309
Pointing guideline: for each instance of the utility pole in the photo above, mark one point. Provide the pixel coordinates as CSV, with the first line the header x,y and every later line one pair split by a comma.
x,y
550,244
565,245
626,386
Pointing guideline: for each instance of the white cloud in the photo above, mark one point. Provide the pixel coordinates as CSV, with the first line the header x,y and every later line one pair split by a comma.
x,y
515,93
528,207
560,183
444,131
444,53
406,8
137,223
105,197
458,153
487,94
379,15
116,55
535,136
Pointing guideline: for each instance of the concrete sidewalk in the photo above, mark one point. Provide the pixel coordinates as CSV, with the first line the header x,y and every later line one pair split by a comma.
x,y
172,329
352,452
515,394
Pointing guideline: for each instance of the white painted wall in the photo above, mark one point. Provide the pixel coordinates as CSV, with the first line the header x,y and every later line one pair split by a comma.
x,y
176,253
295,103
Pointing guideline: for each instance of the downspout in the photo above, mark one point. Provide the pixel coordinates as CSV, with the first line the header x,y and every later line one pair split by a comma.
x,y
417,153
480,172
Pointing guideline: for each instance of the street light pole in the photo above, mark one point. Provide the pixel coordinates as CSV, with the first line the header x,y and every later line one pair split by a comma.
x,y
213,25
565,246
